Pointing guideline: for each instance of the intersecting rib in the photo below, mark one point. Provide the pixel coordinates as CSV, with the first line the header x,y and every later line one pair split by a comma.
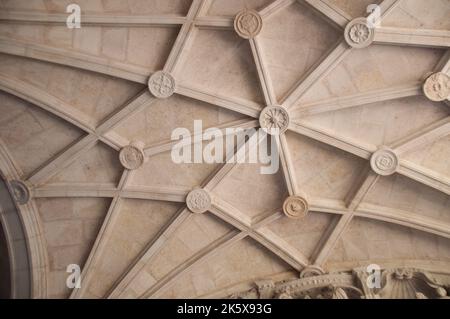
x,y
44,100
57,163
102,238
136,104
354,198
186,35
287,165
387,6
359,99
444,63
160,193
425,176
8,165
68,113
262,235
318,72
103,20
231,161
425,136
168,145
241,106
78,60
361,188
149,253
330,11
413,37
329,138
200,257
84,190
275,7
330,206
404,218
281,248
153,248
263,72
219,22
331,237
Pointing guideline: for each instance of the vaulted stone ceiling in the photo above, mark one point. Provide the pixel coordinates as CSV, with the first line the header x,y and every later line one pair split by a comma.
x,y
365,148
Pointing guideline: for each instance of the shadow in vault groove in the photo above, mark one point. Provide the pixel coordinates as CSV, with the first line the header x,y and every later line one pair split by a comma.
x,y
15,278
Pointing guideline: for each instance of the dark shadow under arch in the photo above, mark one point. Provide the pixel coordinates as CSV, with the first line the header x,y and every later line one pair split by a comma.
x,y
15,275
5,270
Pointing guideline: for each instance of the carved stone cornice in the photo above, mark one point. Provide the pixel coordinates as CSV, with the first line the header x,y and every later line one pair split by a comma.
x,y
411,283
394,283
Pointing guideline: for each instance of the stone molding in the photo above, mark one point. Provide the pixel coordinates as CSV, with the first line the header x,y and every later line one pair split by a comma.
x,y
140,75
30,222
396,283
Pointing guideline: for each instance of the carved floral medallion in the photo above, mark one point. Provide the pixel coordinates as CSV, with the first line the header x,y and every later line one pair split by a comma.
x,y
132,156
248,24
274,120
358,34
437,87
295,207
384,162
161,84
198,201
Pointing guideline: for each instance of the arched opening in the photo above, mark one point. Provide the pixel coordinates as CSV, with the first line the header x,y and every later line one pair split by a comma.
x,y
15,276
5,270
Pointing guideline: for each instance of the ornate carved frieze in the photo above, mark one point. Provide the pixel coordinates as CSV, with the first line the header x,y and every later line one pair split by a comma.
x,y
398,283
274,120
358,33
324,286
248,24
198,201
161,84
410,283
